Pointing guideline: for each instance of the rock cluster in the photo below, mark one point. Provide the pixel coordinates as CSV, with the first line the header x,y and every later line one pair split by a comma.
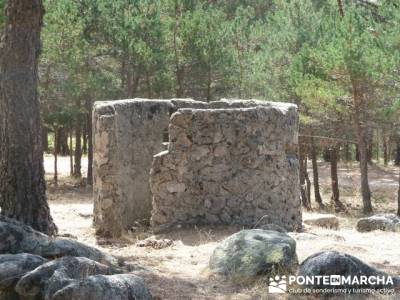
x,y
228,166
30,269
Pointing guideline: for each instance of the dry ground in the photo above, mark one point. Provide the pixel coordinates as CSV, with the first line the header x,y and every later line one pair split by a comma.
x,y
180,271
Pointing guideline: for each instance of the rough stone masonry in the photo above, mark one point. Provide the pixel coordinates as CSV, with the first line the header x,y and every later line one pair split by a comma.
x,y
226,162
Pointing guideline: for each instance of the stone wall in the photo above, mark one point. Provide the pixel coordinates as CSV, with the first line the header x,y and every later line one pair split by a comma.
x,y
127,133
229,165
227,162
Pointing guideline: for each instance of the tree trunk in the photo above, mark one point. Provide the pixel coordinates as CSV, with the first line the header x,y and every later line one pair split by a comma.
x,y
71,156
397,154
78,145
85,138
385,151
62,141
398,199
56,137
308,182
334,178
362,145
317,193
303,192
90,142
45,139
22,183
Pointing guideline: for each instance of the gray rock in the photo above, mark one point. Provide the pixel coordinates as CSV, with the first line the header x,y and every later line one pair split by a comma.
x,y
100,287
385,222
254,252
35,282
16,237
322,220
14,266
336,263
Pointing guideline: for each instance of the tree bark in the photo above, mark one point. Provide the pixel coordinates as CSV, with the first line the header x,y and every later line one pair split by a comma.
x,y
398,199
334,178
362,145
317,193
385,150
22,183
56,137
62,141
71,156
397,154
303,192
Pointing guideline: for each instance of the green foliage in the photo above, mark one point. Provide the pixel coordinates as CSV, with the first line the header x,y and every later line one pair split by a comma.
x,y
301,51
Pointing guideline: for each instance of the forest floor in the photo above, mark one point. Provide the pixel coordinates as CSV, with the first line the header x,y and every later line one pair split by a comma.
x,y
180,270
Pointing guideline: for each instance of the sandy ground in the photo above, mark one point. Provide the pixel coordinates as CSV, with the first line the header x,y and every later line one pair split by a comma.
x,y
180,270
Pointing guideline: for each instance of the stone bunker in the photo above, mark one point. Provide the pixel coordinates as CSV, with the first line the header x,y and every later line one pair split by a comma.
x,y
179,161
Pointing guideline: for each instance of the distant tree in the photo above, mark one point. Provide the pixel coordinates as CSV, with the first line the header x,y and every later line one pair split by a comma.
x,y
22,183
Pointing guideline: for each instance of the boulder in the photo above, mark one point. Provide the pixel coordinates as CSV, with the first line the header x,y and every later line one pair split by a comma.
x,y
12,268
100,287
36,282
385,222
322,220
16,238
336,263
254,252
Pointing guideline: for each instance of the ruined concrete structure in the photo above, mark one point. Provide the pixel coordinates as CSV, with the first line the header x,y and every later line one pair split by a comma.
x,y
225,162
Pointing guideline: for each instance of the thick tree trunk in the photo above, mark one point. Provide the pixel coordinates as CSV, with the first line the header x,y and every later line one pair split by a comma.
x,y
22,184
317,193
90,141
362,145
334,178
78,145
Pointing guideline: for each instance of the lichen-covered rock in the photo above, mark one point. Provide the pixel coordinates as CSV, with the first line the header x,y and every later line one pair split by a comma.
x,y
12,268
100,287
322,220
254,252
336,263
384,222
228,166
16,237
35,282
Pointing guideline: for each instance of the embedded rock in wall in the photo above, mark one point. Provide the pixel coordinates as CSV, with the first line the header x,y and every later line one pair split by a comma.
x,y
232,163
127,134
